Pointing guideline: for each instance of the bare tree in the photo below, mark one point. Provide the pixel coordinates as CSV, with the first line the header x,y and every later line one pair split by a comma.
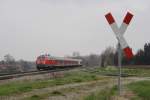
x,y
107,57
26,65
10,65
9,59
75,54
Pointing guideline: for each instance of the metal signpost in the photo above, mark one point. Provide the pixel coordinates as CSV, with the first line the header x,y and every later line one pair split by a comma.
x,y
119,67
122,44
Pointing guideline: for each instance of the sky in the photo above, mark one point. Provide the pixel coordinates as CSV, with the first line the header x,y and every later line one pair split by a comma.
x,y
29,28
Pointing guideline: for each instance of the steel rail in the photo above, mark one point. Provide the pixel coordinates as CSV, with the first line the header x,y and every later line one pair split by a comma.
x,y
10,76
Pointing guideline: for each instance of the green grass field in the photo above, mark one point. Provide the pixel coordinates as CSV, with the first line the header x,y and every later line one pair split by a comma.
x,y
104,94
141,89
43,96
26,86
83,75
114,71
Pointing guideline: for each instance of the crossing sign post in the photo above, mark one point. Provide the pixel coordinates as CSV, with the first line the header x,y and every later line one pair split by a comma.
x,y
122,43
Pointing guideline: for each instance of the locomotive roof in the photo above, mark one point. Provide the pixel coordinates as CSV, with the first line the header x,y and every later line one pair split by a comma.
x,y
60,58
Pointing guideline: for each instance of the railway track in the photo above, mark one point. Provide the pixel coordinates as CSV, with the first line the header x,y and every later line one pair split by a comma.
x,y
15,75
6,76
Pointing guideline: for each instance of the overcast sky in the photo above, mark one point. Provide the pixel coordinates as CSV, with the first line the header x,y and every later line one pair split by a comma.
x,y
29,28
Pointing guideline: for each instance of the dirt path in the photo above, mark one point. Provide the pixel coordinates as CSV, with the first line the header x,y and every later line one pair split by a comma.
x,y
72,91
85,90
56,88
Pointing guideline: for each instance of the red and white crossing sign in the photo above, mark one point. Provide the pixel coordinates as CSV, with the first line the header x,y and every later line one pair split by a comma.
x,y
120,31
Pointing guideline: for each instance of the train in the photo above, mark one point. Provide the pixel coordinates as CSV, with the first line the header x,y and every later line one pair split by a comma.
x,y
46,62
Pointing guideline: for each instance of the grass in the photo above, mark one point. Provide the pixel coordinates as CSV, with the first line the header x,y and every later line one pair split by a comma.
x,y
43,96
142,89
69,77
21,87
65,91
57,93
35,97
104,94
114,71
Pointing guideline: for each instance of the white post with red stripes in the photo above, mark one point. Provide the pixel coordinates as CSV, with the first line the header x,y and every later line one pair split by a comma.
x,y
121,40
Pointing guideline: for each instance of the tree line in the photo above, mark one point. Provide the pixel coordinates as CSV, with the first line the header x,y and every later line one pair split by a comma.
x,y
10,65
142,57
108,57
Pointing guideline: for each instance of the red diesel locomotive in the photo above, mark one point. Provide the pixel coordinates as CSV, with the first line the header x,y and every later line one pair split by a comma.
x,y
49,62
